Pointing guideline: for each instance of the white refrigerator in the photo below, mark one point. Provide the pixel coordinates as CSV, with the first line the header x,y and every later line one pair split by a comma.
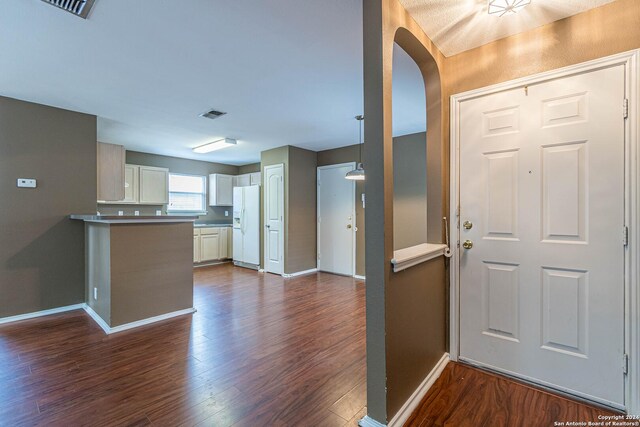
x,y
246,226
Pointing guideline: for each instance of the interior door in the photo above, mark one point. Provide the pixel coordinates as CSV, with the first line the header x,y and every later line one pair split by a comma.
x,y
336,220
274,219
542,204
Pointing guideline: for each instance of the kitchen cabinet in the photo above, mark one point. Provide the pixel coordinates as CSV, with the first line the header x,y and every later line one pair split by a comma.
x,y
154,185
131,184
110,167
256,178
242,180
196,248
220,190
211,244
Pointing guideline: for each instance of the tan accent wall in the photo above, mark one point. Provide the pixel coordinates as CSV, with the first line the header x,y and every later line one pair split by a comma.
x,y
41,250
346,155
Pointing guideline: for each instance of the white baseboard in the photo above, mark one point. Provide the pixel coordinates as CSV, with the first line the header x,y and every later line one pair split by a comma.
x,y
370,422
300,273
414,400
109,330
355,276
41,313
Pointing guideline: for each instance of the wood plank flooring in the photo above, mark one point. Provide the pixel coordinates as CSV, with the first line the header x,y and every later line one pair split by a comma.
x,y
260,351
466,396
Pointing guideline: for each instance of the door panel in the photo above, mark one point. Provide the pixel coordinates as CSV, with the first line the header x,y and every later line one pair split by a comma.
x,y
336,222
542,182
274,219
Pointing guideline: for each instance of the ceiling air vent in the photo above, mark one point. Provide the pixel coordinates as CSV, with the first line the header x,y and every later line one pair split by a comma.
x,y
212,114
79,8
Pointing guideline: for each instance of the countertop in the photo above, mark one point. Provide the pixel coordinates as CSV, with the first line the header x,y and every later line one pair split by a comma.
x,y
212,225
116,219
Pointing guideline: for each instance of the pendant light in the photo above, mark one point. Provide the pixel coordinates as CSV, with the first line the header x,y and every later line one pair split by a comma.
x,y
358,173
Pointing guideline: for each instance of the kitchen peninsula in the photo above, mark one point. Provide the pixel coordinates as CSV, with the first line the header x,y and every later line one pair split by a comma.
x,y
139,269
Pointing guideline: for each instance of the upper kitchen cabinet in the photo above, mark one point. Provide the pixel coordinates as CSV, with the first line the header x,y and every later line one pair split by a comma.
x,y
131,184
154,185
220,190
256,178
242,180
111,159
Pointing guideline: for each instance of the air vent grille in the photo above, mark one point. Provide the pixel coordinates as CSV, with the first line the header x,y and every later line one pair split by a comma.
x,y
212,114
79,8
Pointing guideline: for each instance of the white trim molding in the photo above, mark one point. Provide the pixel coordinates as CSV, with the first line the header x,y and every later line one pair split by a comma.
x,y
414,400
356,276
630,61
367,421
112,330
33,315
414,255
300,273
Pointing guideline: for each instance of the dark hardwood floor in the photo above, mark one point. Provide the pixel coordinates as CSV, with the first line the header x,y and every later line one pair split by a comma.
x,y
466,396
260,351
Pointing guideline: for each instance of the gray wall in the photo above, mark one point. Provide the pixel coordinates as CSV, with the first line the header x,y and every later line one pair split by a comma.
x,y
42,252
346,155
409,190
253,167
175,165
301,252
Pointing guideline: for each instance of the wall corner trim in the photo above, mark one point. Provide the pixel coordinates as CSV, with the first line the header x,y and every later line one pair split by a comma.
x,y
367,421
300,273
414,400
109,330
35,314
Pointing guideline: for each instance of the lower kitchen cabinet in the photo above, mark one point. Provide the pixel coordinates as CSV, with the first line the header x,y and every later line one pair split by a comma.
x,y
211,244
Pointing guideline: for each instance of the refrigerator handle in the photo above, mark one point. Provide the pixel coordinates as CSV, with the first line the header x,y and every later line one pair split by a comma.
x,y
242,220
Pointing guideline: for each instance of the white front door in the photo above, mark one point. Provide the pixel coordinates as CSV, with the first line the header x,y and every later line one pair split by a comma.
x,y
336,219
274,219
542,189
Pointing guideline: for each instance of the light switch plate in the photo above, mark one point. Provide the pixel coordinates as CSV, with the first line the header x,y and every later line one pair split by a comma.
x,y
120,213
26,183
226,213
136,213
158,213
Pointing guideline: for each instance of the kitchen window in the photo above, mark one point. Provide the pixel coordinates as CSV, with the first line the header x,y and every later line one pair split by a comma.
x,y
187,193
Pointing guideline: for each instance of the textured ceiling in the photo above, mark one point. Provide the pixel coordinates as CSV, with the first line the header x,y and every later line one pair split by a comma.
x,y
459,25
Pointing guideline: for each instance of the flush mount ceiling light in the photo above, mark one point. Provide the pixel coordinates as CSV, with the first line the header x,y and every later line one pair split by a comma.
x,y
215,145
506,7
358,173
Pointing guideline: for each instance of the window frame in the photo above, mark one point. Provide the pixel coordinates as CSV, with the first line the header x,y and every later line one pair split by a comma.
x,y
204,196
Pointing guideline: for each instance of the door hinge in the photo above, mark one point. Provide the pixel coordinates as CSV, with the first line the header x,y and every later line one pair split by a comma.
x,y
625,364
625,108
625,235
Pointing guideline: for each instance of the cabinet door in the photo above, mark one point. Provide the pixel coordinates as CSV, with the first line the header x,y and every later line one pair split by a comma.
x,y
110,168
154,185
196,249
209,247
131,184
256,178
243,180
221,190
229,242
223,242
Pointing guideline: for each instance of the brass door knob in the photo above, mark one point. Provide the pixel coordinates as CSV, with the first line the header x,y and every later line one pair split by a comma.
x,y
467,225
468,244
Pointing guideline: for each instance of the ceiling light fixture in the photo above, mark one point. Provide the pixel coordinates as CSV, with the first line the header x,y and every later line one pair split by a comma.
x,y
506,7
215,145
358,173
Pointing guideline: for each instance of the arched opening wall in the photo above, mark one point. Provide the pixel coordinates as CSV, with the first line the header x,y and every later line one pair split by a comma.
x,y
406,311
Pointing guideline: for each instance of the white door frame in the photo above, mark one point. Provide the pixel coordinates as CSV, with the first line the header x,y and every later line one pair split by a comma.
x,y
353,213
630,61
282,230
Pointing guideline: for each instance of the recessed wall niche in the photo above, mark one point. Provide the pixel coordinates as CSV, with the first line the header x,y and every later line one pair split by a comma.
x,y
409,123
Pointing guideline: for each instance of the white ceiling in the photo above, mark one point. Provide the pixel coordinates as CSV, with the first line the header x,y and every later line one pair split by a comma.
x,y
459,25
286,71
